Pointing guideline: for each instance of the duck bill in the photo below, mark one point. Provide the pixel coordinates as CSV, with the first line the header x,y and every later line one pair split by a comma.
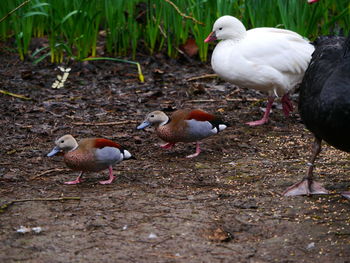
x,y
54,151
143,125
211,37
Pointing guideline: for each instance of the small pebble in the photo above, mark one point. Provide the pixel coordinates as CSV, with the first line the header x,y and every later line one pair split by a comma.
x,y
311,245
23,229
152,235
37,229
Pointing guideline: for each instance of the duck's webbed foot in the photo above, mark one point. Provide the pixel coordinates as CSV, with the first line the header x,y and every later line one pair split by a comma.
x,y
305,187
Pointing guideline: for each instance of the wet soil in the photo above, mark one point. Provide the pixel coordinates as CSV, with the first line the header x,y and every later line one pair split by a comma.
x,y
223,206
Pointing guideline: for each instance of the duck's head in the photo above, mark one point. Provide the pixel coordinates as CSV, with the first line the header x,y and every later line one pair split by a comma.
x,y
154,118
65,143
226,27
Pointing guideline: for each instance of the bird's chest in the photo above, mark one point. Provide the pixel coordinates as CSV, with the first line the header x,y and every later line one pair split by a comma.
x,y
169,134
231,66
81,161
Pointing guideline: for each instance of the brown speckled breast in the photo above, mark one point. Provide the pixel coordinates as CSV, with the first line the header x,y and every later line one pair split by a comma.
x,y
83,161
169,134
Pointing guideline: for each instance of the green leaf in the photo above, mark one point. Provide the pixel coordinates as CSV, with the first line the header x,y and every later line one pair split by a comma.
x,y
69,15
35,13
40,5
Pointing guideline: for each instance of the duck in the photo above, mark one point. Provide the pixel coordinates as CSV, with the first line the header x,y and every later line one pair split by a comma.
x,y
90,155
269,60
184,125
324,105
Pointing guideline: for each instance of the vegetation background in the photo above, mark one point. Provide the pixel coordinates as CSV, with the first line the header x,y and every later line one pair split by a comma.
x,y
74,28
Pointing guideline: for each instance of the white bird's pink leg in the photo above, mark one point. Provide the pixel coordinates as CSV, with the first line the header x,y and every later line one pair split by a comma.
x,y
287,105
198,150
265,118
76,181
111,176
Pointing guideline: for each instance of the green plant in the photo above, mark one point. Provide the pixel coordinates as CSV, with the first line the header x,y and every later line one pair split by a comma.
x,y
73,28
139,70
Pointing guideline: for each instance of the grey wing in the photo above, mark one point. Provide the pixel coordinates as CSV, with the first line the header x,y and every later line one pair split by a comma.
x,y
109,155
200,129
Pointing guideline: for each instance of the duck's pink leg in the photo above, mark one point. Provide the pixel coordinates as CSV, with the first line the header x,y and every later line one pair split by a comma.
x,y
168,145
265,118
111,176
76,181
287,105
198,150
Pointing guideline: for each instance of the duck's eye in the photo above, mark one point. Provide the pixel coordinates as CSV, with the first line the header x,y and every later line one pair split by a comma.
x,y
152,116
62,141
220,28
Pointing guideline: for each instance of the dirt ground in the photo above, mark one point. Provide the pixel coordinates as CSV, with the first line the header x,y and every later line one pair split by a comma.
x,y
223,206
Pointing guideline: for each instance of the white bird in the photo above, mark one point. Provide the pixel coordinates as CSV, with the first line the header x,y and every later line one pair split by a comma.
x,y
270,60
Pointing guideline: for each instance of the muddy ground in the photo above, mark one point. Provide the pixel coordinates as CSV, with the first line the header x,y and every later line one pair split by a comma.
x,y
223,206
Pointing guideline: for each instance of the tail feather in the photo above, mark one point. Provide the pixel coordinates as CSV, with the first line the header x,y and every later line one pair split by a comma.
x,y
219,125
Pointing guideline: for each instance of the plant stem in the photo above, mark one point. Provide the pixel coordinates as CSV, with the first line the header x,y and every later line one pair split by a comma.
x,y
141,77
14,95
14,10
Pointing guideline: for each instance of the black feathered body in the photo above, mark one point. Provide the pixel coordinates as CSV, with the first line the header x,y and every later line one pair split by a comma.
x,y
324,102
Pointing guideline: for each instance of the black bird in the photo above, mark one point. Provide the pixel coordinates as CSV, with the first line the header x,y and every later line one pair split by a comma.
x,y
324,104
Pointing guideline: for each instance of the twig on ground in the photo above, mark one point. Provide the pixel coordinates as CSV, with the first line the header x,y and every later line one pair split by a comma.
x,y
202,101
205,76
342,233
162,241
5,206
103,123
211,100
49,171
246,99
14,95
